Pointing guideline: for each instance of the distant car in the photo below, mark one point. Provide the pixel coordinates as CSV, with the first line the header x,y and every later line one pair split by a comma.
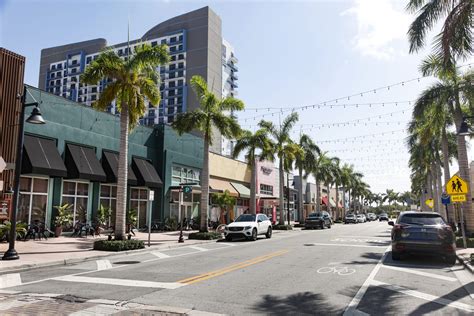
x,y
383,217
318,220
422,233
360,218
249,226
350,218
371,217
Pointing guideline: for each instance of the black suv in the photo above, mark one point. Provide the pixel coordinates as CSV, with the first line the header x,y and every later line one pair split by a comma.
x,y
318,220
383,217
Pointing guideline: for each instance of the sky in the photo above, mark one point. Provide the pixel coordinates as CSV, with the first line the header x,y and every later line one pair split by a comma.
x,y
343,66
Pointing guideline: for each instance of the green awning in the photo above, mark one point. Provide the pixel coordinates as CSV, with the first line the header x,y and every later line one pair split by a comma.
x,y
244,192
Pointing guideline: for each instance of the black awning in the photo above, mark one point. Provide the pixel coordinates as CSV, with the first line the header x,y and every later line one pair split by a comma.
x,y
42,157
82,163
146,173
110,164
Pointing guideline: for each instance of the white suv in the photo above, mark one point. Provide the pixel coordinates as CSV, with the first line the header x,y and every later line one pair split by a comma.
x,y
249,226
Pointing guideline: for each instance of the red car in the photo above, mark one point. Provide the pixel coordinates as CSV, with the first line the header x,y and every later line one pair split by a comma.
x,y
423,233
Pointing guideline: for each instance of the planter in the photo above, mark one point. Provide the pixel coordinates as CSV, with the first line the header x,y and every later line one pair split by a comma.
x,y
58,231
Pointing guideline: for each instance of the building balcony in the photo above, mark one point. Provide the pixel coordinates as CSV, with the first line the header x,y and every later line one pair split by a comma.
x,y
233,67
234,76
233,59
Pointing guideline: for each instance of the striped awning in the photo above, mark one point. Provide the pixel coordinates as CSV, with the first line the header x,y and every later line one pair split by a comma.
x,y
244,192
221,186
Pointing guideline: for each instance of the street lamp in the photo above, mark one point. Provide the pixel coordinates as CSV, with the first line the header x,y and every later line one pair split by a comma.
x,y
464,128
34,118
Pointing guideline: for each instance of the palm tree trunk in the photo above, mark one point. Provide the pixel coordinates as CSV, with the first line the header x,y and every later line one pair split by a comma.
x,y
318,196
300,197
253,188
442,210
343,201
122,176
464,168
328,206
337,202
447,175
281,220
349,198
205,186
435,187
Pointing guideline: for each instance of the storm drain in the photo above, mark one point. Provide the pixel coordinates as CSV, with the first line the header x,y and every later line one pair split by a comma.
x,y
127,262
70,299
309,244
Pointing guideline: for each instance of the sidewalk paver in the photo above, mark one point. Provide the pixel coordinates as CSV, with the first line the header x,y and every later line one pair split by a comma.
x,y
464,256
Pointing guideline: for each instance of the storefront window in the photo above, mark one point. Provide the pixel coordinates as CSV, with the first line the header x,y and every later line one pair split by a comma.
x,y
33,199
77,194
139,203
108,199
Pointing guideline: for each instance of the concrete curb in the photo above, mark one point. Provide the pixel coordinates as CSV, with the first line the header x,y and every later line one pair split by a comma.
x,y
465,263
24,267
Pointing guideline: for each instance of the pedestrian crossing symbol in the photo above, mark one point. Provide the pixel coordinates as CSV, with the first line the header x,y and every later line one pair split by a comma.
x,y
456,186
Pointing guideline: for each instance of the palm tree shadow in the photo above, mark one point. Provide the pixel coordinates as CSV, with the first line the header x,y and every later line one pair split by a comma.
x,y
296,304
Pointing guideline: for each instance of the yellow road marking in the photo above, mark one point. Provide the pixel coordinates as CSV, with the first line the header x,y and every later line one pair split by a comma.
x,y
237,266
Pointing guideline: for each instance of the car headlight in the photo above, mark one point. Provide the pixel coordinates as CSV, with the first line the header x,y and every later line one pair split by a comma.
x,y
248,227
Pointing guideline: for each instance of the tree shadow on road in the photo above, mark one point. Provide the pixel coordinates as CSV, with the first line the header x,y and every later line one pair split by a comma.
x,y
372,258
302,303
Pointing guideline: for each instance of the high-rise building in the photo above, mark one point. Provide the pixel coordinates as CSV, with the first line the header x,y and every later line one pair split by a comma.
x,y
196,48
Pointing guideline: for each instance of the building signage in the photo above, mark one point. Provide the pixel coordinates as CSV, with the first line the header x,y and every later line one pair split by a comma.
x,y
266,170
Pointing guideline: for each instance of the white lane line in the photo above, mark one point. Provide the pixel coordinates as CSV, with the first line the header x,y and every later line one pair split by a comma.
x,y
120,282
351,308
13,303
424,296
10,280
159,254
372,237
226,244
9,292
198,248
464,276
347,245
426,274
103,264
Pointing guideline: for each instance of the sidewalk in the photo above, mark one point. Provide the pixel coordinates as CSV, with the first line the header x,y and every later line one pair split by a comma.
x,y
67,250
464,256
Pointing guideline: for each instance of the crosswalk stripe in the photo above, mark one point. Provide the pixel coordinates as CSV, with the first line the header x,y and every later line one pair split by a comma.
x,y
103,264
198,248
10,280
102,310
426,274
120,282
159,254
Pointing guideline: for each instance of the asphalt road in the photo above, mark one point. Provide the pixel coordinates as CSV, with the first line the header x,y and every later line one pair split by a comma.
x,y
343,270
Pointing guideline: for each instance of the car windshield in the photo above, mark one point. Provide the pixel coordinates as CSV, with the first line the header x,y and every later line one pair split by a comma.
x,y
349,216
422,219
315,215
246,218
383,214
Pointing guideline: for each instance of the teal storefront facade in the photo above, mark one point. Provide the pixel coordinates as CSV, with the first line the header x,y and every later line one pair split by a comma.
x,y
87,144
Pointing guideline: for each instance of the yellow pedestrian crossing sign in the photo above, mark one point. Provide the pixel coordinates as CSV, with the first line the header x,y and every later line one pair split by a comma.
x,y
430,203
458,198
456,186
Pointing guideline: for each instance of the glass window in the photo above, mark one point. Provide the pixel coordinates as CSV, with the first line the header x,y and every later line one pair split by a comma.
x,y
33,199
77,194
139,203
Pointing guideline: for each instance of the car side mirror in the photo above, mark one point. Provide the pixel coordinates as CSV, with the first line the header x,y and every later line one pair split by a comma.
x,y
391,223
259,221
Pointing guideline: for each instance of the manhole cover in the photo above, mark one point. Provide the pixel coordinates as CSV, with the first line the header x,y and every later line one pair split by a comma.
x,y
127,262
309,244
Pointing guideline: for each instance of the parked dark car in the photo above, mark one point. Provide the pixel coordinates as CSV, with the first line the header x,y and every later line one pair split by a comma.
x,y
350,218
422,233
383,217
318,220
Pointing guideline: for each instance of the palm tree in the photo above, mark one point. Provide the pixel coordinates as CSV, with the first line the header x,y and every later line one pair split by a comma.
x,y
456,37
305,163
135,81
320,171
330,178
253,143
337,178
210,115
346,175
284,149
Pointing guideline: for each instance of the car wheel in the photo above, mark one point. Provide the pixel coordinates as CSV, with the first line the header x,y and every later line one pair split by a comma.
x,y
228,238
329,226
254,234
322,226
269,233
451,260
396,256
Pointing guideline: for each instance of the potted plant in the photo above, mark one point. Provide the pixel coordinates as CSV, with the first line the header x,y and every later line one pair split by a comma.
x,y
6,227
131,221
102,218
63,217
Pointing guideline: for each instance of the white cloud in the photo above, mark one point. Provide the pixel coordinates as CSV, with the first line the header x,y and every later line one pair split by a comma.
x,y
381,28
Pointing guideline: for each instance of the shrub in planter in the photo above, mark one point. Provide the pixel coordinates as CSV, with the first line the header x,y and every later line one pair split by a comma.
x,y
118,245
469,242
282,227
205,235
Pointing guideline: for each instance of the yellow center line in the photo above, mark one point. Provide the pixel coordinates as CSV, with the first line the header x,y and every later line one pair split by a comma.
x,y
212,274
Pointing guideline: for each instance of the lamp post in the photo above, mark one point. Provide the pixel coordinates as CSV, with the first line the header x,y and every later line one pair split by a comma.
x,y
34,118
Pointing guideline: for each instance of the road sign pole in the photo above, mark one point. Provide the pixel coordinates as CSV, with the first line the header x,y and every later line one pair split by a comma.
x,y
464,242
181,239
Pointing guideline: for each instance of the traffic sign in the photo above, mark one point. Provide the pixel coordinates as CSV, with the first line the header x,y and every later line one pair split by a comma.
x,y
430,203
445,199
187,189
3,164
458,198
456,186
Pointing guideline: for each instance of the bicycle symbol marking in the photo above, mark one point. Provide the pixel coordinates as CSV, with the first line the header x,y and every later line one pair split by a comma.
x,y
342,271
